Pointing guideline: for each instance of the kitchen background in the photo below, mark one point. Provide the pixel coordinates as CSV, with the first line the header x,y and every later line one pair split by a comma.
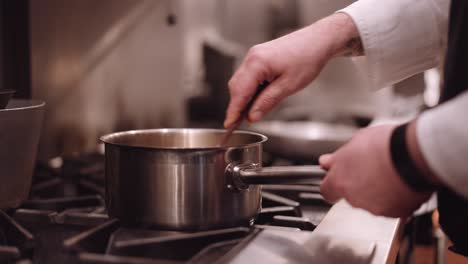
x,y
109,65
112,65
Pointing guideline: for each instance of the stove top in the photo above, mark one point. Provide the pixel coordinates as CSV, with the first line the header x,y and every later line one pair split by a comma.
x,y
65,221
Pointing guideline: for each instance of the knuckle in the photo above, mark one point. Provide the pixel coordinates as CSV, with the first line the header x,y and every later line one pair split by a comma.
x,y
268,101
255,54
274,95
255,50
235,90
232,85
331,189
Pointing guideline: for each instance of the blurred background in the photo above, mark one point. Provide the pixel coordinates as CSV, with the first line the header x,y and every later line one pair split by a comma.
x,y
110,65
113,65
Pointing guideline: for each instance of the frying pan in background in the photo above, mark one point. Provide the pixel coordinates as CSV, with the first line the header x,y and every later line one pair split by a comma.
x,y
5,96
302,140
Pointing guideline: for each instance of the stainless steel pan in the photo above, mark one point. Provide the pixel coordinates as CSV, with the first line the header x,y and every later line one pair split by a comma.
x,y
5,96
178,179
20,126
302,140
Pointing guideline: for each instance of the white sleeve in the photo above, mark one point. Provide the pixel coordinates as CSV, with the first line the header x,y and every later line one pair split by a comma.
x,y
442,135
400,37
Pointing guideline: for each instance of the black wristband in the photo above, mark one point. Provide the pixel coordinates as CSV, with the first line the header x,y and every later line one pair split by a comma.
x,y
403,163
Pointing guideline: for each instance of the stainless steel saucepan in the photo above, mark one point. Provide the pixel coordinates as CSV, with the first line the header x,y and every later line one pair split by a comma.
x,y
179,179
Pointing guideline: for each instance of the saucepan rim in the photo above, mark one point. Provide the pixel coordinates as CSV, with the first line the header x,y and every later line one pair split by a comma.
x,y
110,138
7,91
23,104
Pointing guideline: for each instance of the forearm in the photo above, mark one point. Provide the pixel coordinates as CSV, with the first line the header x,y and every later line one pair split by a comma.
x,y
342,35
437,142
400,37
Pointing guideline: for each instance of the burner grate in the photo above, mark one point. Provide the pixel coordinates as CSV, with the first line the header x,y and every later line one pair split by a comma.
x,y
112,243
109,239
60,204
15,241
67,215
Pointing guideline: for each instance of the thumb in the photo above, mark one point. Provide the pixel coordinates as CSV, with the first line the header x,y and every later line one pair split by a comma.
x,y
326,161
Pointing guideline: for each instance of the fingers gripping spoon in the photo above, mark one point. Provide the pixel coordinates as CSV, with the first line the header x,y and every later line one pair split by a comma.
x,y
243,114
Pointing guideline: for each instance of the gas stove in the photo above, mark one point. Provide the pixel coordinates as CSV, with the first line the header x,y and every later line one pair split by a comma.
x,y
65,221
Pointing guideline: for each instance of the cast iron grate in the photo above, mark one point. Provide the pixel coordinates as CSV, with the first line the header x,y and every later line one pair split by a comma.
x,y
67,222
16,243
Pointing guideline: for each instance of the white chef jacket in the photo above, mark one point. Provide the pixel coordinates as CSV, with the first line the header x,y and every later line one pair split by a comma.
x,y
402,38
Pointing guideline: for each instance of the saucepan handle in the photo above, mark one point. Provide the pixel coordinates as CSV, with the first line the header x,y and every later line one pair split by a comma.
x,y
246,175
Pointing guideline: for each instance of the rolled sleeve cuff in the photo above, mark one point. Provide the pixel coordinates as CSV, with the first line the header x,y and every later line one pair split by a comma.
x,y
400,38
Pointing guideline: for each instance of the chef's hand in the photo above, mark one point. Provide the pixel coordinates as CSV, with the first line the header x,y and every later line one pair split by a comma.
x,y
289,63
362,173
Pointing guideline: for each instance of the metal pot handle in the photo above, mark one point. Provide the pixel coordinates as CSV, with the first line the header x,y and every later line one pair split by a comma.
x,y
243,175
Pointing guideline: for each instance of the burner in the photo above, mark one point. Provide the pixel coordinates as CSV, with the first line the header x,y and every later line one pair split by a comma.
x,y
67,216
121,244
69,177
112,243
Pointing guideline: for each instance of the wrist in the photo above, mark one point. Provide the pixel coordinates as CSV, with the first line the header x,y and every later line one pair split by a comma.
x,y
344,36
326,38
408,160
417,156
